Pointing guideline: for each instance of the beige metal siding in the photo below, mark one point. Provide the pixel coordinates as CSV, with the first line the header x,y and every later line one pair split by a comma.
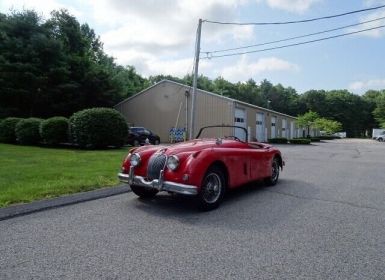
x,y
156,109
213,110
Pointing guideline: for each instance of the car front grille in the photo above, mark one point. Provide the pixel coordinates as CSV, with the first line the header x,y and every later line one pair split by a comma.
x,y
156,163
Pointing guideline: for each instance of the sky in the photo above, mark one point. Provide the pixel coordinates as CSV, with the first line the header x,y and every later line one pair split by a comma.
x,y
158,37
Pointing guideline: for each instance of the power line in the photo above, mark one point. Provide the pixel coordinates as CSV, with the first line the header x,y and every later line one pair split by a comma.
x,y
292,38
296,44
296,21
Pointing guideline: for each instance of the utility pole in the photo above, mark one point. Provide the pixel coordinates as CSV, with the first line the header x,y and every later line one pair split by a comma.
x,y
195,80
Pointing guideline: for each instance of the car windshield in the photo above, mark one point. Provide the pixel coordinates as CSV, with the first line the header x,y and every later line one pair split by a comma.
x,y
136,129
224,132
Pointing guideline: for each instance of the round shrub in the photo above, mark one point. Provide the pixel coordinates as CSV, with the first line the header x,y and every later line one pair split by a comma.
x,y
98,128
7,130
279,140
54,130
27,131
300,141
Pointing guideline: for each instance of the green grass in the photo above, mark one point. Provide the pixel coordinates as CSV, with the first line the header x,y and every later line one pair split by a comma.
x,y
33,173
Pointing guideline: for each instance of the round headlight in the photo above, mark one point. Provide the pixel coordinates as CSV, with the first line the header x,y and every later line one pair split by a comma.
x,y
172,162
135,160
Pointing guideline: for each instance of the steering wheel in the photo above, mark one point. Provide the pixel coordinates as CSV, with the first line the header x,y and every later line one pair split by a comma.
x,y
233,137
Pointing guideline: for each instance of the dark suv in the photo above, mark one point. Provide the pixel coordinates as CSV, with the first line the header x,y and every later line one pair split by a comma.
x,y
138,135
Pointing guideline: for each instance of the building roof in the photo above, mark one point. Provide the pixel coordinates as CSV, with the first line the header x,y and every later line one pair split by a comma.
x,y
205,92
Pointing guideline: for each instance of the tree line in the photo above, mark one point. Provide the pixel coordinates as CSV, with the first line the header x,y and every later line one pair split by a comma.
x,y
57,66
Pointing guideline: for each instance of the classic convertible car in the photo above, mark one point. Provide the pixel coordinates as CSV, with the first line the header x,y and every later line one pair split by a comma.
x,y
204,167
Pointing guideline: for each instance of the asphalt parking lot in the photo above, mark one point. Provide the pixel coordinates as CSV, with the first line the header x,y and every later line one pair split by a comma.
x,y
324,220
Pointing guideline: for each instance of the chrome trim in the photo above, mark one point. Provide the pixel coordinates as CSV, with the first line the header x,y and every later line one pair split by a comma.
x,y
158,184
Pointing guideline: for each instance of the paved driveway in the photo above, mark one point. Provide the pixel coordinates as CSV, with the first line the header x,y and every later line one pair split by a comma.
x,y
324,220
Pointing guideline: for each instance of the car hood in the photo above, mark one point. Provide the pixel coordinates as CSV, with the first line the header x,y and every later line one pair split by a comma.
x,y
189,146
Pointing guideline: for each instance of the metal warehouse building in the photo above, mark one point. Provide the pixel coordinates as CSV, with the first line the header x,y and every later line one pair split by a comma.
x,y
166,105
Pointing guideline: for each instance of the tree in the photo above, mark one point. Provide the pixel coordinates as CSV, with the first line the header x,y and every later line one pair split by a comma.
x,y
379,111
307,120
329,126
57,67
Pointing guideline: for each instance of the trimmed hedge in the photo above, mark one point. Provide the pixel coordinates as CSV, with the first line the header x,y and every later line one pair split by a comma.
x,y
281,140
27,131
302,141
7,130
98,128
328,137
54,130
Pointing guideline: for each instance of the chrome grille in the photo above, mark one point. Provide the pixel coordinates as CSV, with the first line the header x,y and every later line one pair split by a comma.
x,y
156,163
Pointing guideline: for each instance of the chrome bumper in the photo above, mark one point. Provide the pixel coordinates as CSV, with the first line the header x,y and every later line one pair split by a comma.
x,y
158,184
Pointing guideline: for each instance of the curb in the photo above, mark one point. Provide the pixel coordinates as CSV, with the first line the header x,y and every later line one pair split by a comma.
x,y
29,208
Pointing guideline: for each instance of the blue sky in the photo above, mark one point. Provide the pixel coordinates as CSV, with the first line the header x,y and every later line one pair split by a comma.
x,y
158,37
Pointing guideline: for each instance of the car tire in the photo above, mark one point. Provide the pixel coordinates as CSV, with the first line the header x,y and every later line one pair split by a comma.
x,y
212,189
136,143
273,179
380,140
156,142
143,192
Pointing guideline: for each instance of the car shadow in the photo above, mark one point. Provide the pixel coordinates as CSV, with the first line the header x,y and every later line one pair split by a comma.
x,y
254,204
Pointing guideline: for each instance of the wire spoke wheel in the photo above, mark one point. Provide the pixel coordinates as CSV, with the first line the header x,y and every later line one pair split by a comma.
x,y
273,179
212,189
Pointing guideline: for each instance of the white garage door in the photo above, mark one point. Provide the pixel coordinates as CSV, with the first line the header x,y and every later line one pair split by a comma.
x,y
240,120
284,124
260,127
291,130
273,123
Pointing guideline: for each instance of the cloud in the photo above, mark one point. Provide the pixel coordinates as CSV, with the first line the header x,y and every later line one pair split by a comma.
x,y
163,26
151,65
376,33
246,69
297,6
44,8
360,86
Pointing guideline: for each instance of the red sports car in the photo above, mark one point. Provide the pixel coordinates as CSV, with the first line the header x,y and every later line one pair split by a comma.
x,y
204,167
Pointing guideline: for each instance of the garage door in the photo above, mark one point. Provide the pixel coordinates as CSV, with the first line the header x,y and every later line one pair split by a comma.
x,y
273,123
284,124
260,127
240,120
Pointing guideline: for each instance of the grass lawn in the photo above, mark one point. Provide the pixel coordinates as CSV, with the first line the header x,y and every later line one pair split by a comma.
x,y
33,173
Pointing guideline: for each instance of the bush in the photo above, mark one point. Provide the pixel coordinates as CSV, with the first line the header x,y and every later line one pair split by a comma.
x,y
328,137
302,141
54,130
98,128
315,139
27,131
281,140
7,130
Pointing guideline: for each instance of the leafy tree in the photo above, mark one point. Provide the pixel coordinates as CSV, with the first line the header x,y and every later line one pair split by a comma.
x,y
57,67
379,111
307,120
329,126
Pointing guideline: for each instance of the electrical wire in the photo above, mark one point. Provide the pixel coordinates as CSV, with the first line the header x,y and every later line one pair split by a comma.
x,y
295,44
292,38
296,21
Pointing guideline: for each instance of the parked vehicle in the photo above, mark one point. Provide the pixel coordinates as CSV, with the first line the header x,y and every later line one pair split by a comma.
x,y
138,135
376,132
204,167
380,137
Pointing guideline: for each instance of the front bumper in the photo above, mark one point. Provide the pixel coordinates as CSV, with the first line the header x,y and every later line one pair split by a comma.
x,y
158,184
